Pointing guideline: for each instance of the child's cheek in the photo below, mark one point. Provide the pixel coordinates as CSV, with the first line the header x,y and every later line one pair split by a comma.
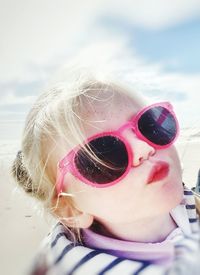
x,y
176,160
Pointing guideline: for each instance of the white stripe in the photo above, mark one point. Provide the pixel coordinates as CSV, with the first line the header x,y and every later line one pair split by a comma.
x,y
180,216
188,245
195,227
125,267
153,270
189,199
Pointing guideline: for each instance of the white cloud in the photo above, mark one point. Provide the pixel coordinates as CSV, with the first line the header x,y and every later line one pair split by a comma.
x,y
155,14
39,32
148,79
11,99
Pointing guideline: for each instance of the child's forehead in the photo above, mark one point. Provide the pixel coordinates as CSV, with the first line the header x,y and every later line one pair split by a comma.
x,y
113,98
109,115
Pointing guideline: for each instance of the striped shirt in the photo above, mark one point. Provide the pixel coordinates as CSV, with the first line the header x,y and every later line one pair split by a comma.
x,y
178,254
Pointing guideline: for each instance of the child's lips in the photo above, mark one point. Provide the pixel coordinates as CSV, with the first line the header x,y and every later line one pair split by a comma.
x,y
159,171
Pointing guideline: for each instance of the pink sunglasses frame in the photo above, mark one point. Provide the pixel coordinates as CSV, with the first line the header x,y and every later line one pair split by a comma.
x,y
67,164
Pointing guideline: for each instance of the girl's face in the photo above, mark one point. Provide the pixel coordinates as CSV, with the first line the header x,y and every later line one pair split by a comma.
x,y
133,198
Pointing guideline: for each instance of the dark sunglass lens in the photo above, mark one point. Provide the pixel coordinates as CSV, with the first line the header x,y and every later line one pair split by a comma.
x,y
158,125
108,162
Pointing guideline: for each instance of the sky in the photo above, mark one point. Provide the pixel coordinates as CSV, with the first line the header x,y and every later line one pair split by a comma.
x,y
156,44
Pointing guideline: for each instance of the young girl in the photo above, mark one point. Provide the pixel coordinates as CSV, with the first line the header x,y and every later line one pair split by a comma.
x,y
103,162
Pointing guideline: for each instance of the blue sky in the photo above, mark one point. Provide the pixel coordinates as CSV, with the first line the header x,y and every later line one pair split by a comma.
x,y
178,47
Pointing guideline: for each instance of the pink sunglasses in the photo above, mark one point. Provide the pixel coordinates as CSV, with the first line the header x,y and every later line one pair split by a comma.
x,y
156,124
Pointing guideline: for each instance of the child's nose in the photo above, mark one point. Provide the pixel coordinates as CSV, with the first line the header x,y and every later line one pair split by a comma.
x,y
141,150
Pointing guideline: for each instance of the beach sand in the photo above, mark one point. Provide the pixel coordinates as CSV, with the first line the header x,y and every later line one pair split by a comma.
x,y
23,228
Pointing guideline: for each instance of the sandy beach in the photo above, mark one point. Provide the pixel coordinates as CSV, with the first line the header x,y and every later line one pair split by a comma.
x,y
23,227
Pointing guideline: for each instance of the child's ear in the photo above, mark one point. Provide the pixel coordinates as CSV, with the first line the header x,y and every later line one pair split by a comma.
x,y
69,215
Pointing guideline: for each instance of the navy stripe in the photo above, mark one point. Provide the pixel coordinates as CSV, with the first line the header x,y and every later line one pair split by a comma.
x,y
193,220
86,258
190,206
57,238
64,252
111,265
144,265
187,192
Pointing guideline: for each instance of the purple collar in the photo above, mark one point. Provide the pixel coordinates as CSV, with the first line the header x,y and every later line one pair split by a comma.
x,y
161,252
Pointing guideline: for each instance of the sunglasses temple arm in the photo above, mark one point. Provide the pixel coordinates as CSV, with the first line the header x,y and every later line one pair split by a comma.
x,y
59,181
